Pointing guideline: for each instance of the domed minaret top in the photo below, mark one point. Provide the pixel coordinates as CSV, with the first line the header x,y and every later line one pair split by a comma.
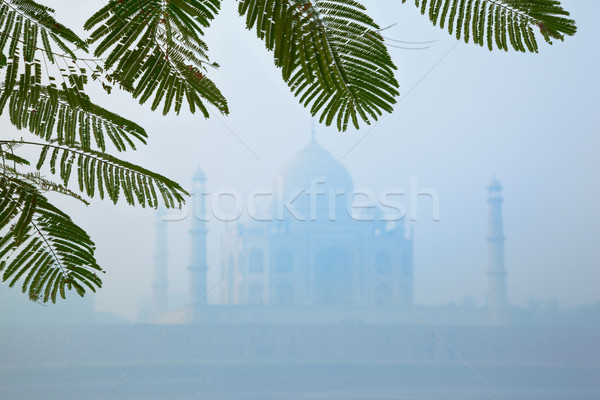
x,y
494,186
199,175
495,183
313,132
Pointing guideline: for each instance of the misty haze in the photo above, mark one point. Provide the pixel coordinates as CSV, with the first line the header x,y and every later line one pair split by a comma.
x,y
446,251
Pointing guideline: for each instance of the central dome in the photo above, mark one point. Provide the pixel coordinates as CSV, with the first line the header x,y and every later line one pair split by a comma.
x,y
313,163
314,169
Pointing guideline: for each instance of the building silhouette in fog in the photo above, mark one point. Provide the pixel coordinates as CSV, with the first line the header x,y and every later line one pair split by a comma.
x,y
301,253
497,299
310,257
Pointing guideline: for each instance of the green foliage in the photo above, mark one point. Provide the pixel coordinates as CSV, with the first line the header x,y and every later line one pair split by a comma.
x,y
155,50
68,116
51,110
101,173
28,34
43,91
26,24
40,245
331,55
501,22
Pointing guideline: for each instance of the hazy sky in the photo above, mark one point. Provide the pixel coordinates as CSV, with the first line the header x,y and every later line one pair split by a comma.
x,y
463,115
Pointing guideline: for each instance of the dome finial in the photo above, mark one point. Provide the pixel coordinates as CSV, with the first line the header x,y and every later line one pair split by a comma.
x,y
495,184
313,131
199,175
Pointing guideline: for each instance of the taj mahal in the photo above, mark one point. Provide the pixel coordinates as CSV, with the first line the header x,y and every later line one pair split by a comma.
x,y
315,293
313,259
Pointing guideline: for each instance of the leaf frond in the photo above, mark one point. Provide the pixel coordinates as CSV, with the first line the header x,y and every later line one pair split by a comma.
x,y
155,50
503,23
331,56
100,173
68,116
41,247
42,184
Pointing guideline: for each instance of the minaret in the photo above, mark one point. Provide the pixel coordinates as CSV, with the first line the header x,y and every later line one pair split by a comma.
x,y
198,266
497,302
159,287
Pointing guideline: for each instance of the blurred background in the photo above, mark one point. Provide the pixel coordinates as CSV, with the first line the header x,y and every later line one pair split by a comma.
x,y
464,115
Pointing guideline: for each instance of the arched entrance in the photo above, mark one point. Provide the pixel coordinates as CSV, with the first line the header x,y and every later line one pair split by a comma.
x,y
284,294
255,295
334,277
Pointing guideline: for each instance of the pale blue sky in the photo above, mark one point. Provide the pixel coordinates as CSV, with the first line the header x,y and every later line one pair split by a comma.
x,y
531,119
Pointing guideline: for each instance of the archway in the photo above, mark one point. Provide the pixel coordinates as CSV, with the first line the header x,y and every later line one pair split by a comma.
x,y
383,263
333,276
256,262
284,262
255,295
284,293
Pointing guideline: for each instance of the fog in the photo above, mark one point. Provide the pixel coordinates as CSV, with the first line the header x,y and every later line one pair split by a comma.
x,y
464,116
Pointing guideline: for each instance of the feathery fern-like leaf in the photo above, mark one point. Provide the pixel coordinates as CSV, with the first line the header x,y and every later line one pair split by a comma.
x,y
155,49
32,25
9,166
35,99
40,246
28,34
501,22
100,173
70,118
331,55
